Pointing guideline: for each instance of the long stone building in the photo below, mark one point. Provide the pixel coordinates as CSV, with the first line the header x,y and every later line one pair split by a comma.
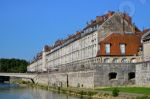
x,y
110,38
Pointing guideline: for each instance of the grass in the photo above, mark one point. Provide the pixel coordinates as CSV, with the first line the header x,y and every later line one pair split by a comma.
x,y
136,90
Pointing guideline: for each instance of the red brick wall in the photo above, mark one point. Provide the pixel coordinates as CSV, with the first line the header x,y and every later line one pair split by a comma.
x,y
132,42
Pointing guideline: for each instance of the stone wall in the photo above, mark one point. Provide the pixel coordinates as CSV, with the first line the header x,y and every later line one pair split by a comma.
x,y
72,79
115,25
82,79
101,75
143,74
58,79
98,76
122,71
41,79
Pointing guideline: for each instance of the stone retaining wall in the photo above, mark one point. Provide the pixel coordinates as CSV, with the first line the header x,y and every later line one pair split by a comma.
x,y
87,78
72,79
143,74
122,71
101,75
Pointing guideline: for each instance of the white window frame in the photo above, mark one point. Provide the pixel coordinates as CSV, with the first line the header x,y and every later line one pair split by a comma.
x,y
107,48
122,48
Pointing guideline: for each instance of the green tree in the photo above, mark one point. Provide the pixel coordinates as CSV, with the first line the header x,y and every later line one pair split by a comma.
x,y
13,65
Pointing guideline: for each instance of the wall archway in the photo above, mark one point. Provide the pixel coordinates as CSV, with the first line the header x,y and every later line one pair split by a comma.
x,y
133,60
115,60
112,75
107,60
124,60
131,75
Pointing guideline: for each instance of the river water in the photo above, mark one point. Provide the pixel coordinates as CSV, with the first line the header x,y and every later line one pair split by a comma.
x,y
12,91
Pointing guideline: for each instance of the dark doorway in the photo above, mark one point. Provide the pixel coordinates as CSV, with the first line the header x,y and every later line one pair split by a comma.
x,y
131,75
112,75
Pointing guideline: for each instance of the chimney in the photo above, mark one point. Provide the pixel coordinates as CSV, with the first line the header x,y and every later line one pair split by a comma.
x,y
46,48
99,19
128,18
110,13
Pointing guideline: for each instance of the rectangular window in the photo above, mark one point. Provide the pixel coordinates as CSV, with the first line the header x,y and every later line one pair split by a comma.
x,y
107,48
122,48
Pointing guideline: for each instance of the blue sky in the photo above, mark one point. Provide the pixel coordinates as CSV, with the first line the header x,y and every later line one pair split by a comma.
x,y
27,25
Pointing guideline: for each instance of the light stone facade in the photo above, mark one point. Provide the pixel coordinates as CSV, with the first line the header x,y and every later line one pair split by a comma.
x,y
81,49
146,46
36,66
84,46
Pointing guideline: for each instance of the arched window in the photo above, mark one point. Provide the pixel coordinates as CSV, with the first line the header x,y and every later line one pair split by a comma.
x,y
115,60
133,60
106,60
124,60
112,75
131,75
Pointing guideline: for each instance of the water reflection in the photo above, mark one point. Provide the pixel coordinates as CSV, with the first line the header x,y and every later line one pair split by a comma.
x,y
29,93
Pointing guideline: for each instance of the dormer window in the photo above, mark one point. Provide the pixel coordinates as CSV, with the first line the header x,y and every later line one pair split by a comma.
x,y
97,26
84,31
90,29
107,48
122,48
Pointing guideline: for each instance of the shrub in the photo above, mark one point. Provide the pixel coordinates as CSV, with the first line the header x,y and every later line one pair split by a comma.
x,y
63,90
115,92
82,93
24,82
106,94
91,93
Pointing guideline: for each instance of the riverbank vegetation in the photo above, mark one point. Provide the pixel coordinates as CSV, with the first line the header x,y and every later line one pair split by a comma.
x,y
84,93
13,65
98,93
136,90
